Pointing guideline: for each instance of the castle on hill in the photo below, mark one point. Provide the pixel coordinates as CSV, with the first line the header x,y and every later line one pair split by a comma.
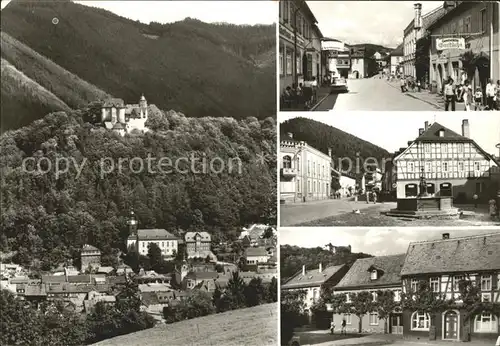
x,y
122,118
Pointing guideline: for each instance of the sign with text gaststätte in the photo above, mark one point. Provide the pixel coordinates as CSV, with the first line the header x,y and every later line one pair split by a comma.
x,y
450,43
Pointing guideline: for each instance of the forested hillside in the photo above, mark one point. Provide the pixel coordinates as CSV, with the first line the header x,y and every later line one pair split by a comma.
x,y
47,218
322,137
196,68
292,258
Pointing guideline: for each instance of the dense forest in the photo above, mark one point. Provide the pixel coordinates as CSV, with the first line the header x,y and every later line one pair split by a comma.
x,y
292,258
46,218
199,69
322,137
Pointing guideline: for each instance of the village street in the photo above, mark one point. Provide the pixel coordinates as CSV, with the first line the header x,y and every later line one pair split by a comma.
x,y
374,94
339,212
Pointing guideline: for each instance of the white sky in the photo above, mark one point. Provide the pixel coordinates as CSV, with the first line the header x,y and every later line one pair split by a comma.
x,y
392,130
377,22
235,12
374,241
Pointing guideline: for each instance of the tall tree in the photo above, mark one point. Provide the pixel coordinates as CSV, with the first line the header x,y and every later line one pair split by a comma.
x,y
236,291
385,305
361,304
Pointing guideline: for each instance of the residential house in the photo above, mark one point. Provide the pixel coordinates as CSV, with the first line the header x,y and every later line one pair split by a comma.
x,y
90,257
372,274
453,165
299,43
256,255
194,279
414,31
477,22
305,172
313,280
397,55
346,182
198,245
444,264
338,57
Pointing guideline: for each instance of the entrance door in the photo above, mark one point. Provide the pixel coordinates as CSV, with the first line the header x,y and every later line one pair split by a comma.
x,y
397,324
446,190
450,325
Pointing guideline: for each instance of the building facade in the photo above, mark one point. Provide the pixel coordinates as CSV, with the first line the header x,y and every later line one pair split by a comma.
x,y
305,172
397,56
444,265
311,281
453,165
256,255
478,24
122,118
90,257
167,242
299,43
198,244
372,274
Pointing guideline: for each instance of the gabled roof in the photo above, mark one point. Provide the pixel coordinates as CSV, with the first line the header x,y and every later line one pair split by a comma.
x,y
466,254
114,102
88,247
398,51
312,277
389,268
155,234
190,236
432,135
255,251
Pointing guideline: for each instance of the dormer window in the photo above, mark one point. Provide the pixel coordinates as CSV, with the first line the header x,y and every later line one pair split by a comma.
x,y
441,133
374,274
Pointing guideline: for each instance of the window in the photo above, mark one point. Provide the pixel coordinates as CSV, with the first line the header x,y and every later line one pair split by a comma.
x,y
308,167
445,166
420,321
434,284
298,64
428,167
486,323
373,319
484,21
397,296
485,282
441,133
460,166
374,274
414,285
288,61
485,297
456,283
281,62
374,296
460,147
467,27
411,167
347,318
444,147
477,166
287,162
348,298
427,147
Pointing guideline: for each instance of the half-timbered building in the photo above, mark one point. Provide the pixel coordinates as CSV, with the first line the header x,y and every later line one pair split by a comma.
x,y
453,165
443,265
372,274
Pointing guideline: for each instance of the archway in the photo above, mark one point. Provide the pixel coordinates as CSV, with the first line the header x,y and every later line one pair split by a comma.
x,y
451,325
411,190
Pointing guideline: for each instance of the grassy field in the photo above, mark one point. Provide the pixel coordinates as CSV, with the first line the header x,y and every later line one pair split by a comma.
x,y
252,326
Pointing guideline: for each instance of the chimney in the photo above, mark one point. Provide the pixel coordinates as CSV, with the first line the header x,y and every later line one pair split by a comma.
x,y
418,16
446,236
420,131
320,268
426,126
290,135
303,270
465,128
330,152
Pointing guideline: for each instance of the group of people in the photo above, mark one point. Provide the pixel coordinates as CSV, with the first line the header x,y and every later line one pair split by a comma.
x,y
342,331
472,99
298,96
407,84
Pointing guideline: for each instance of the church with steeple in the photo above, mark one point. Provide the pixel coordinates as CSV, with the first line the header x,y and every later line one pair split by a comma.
x,y
123,118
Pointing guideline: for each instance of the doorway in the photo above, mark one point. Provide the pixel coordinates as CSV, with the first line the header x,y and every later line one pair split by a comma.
x,y
396,324
446,190
450,327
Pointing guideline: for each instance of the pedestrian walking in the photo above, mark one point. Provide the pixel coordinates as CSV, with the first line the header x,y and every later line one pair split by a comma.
x,y
449,95
466,96
342,331
374,193
475,198
332,327
490,95
419,86
403,85
478,99
493,209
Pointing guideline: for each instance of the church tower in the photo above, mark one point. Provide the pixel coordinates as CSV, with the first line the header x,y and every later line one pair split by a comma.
x,y
143,106
133,238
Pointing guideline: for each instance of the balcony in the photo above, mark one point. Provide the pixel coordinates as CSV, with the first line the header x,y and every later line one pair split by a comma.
x,y
288,172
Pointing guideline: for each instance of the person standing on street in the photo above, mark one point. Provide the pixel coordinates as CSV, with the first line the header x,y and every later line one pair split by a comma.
x,y
490,95
475,197
343,326
449,95
466,95
478,99
332,327
403,85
